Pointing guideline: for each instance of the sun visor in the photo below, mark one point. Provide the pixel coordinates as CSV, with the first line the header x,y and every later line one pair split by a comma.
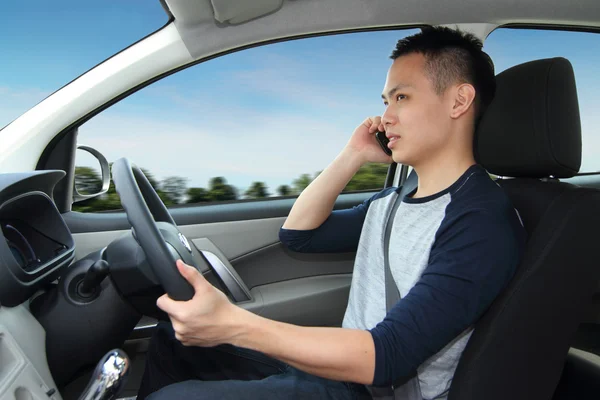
x,y
236,12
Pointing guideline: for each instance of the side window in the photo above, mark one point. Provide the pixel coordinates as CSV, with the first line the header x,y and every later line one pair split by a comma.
x,y
255,124
509,46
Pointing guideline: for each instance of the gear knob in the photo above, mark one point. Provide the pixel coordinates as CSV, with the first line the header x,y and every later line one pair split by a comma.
x,y
109,377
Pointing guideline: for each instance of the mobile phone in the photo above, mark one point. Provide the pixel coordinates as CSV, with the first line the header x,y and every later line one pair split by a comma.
x,y
383,142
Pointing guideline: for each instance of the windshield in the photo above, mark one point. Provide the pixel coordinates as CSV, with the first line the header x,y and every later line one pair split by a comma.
x,y
46,44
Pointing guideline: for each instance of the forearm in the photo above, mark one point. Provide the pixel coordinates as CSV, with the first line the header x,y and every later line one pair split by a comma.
x,y
333,353
316,202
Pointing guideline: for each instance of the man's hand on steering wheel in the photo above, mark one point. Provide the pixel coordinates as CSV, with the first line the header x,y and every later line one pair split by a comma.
x,y
207,319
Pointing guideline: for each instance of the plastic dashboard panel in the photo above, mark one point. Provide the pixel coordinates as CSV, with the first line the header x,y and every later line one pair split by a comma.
x,y
35,243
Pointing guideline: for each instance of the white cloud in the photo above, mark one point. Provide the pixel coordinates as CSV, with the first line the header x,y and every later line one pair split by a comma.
x,y
274,149
207,134
286,86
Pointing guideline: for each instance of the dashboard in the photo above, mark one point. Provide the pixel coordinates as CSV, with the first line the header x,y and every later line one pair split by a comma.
x,y
50,329
35,243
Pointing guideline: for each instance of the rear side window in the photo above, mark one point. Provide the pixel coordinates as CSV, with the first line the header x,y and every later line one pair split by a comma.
x,y
511,46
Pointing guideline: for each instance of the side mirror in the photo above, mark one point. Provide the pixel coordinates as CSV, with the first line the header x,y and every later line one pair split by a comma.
x,y
89,185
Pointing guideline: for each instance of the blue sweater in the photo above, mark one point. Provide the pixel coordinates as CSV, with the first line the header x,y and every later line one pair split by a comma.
x,y
450,255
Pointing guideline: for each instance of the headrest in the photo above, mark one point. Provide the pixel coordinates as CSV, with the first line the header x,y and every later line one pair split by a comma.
x,y
532,128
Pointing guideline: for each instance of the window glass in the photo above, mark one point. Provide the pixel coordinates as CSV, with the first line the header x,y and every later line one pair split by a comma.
x,y
46,44
509,47
254,124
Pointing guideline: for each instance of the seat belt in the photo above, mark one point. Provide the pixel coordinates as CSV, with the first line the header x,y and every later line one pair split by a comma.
x,y
406,388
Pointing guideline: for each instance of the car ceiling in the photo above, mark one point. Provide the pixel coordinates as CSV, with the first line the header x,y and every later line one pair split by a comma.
x,y
203,35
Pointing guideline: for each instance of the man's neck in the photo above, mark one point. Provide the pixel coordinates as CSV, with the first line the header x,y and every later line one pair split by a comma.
x,y
437,175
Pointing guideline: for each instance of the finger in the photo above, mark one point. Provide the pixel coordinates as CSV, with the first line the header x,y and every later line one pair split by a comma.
x,y
377,125
371,125
179,327
166,304
192,275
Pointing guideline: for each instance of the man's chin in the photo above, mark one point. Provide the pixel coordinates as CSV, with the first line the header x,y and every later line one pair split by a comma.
x,y
402,159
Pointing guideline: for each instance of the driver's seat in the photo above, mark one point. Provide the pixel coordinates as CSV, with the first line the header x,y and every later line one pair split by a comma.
x,y
532,133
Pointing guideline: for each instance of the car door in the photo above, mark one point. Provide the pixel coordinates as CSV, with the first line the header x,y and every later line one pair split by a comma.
x,y
283,285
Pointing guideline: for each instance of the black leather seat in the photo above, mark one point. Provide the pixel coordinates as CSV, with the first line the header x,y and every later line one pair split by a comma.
x,y
532,133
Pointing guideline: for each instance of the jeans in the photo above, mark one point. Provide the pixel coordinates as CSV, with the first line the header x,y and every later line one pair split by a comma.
x,y
174,371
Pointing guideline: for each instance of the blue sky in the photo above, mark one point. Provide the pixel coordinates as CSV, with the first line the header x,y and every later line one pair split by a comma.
x,y
268,113
49,43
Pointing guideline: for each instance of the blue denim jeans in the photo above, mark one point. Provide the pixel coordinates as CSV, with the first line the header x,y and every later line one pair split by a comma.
x,y
174,371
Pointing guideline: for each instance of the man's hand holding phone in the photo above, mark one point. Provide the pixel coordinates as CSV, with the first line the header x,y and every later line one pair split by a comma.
x,y
367,144
315,203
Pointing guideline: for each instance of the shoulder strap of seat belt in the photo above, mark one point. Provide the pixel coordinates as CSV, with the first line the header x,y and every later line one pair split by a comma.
x,y
392,295
407,389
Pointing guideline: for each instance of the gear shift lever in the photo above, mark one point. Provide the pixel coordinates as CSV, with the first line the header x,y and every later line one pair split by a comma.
x,y
108,378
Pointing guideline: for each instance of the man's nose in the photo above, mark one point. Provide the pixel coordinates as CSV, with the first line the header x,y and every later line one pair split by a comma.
x,y
387,118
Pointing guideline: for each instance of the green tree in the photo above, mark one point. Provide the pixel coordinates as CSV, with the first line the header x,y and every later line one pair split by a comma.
x,y
151,179
87,180
258,190
217,181
219,190
302,182
284,190
174,188
110,200
165,198
369,176
197,195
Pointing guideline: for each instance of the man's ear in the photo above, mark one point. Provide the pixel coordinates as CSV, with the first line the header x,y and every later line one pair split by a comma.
x,y
464,98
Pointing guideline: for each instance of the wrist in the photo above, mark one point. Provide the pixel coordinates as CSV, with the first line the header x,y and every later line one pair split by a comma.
x,y
353,158
244,323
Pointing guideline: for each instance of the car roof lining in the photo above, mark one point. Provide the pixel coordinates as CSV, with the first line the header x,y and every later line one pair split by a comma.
x,y
204,35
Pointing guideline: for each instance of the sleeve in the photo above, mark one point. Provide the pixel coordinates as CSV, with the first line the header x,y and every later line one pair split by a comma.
x,y
339,233
470,263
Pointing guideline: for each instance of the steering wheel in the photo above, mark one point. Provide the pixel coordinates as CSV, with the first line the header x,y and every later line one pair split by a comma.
x,y
155,230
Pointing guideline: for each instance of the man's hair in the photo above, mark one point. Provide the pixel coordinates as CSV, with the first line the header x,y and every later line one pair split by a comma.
x,y
452,56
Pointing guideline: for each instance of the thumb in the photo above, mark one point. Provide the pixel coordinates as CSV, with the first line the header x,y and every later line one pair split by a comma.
x,y
192,275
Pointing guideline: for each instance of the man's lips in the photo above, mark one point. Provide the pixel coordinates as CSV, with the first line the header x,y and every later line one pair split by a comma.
x,y
392,137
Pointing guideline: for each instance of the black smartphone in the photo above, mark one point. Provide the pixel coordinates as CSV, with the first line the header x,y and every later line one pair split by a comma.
x,y
383,142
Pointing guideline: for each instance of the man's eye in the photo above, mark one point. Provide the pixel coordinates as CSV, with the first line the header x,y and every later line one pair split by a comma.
x,y
400,97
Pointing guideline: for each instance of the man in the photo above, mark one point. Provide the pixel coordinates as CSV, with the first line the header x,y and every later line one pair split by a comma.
x,y
454,245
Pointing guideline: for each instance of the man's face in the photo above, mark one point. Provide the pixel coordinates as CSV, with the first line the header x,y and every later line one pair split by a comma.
x,y
416,118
